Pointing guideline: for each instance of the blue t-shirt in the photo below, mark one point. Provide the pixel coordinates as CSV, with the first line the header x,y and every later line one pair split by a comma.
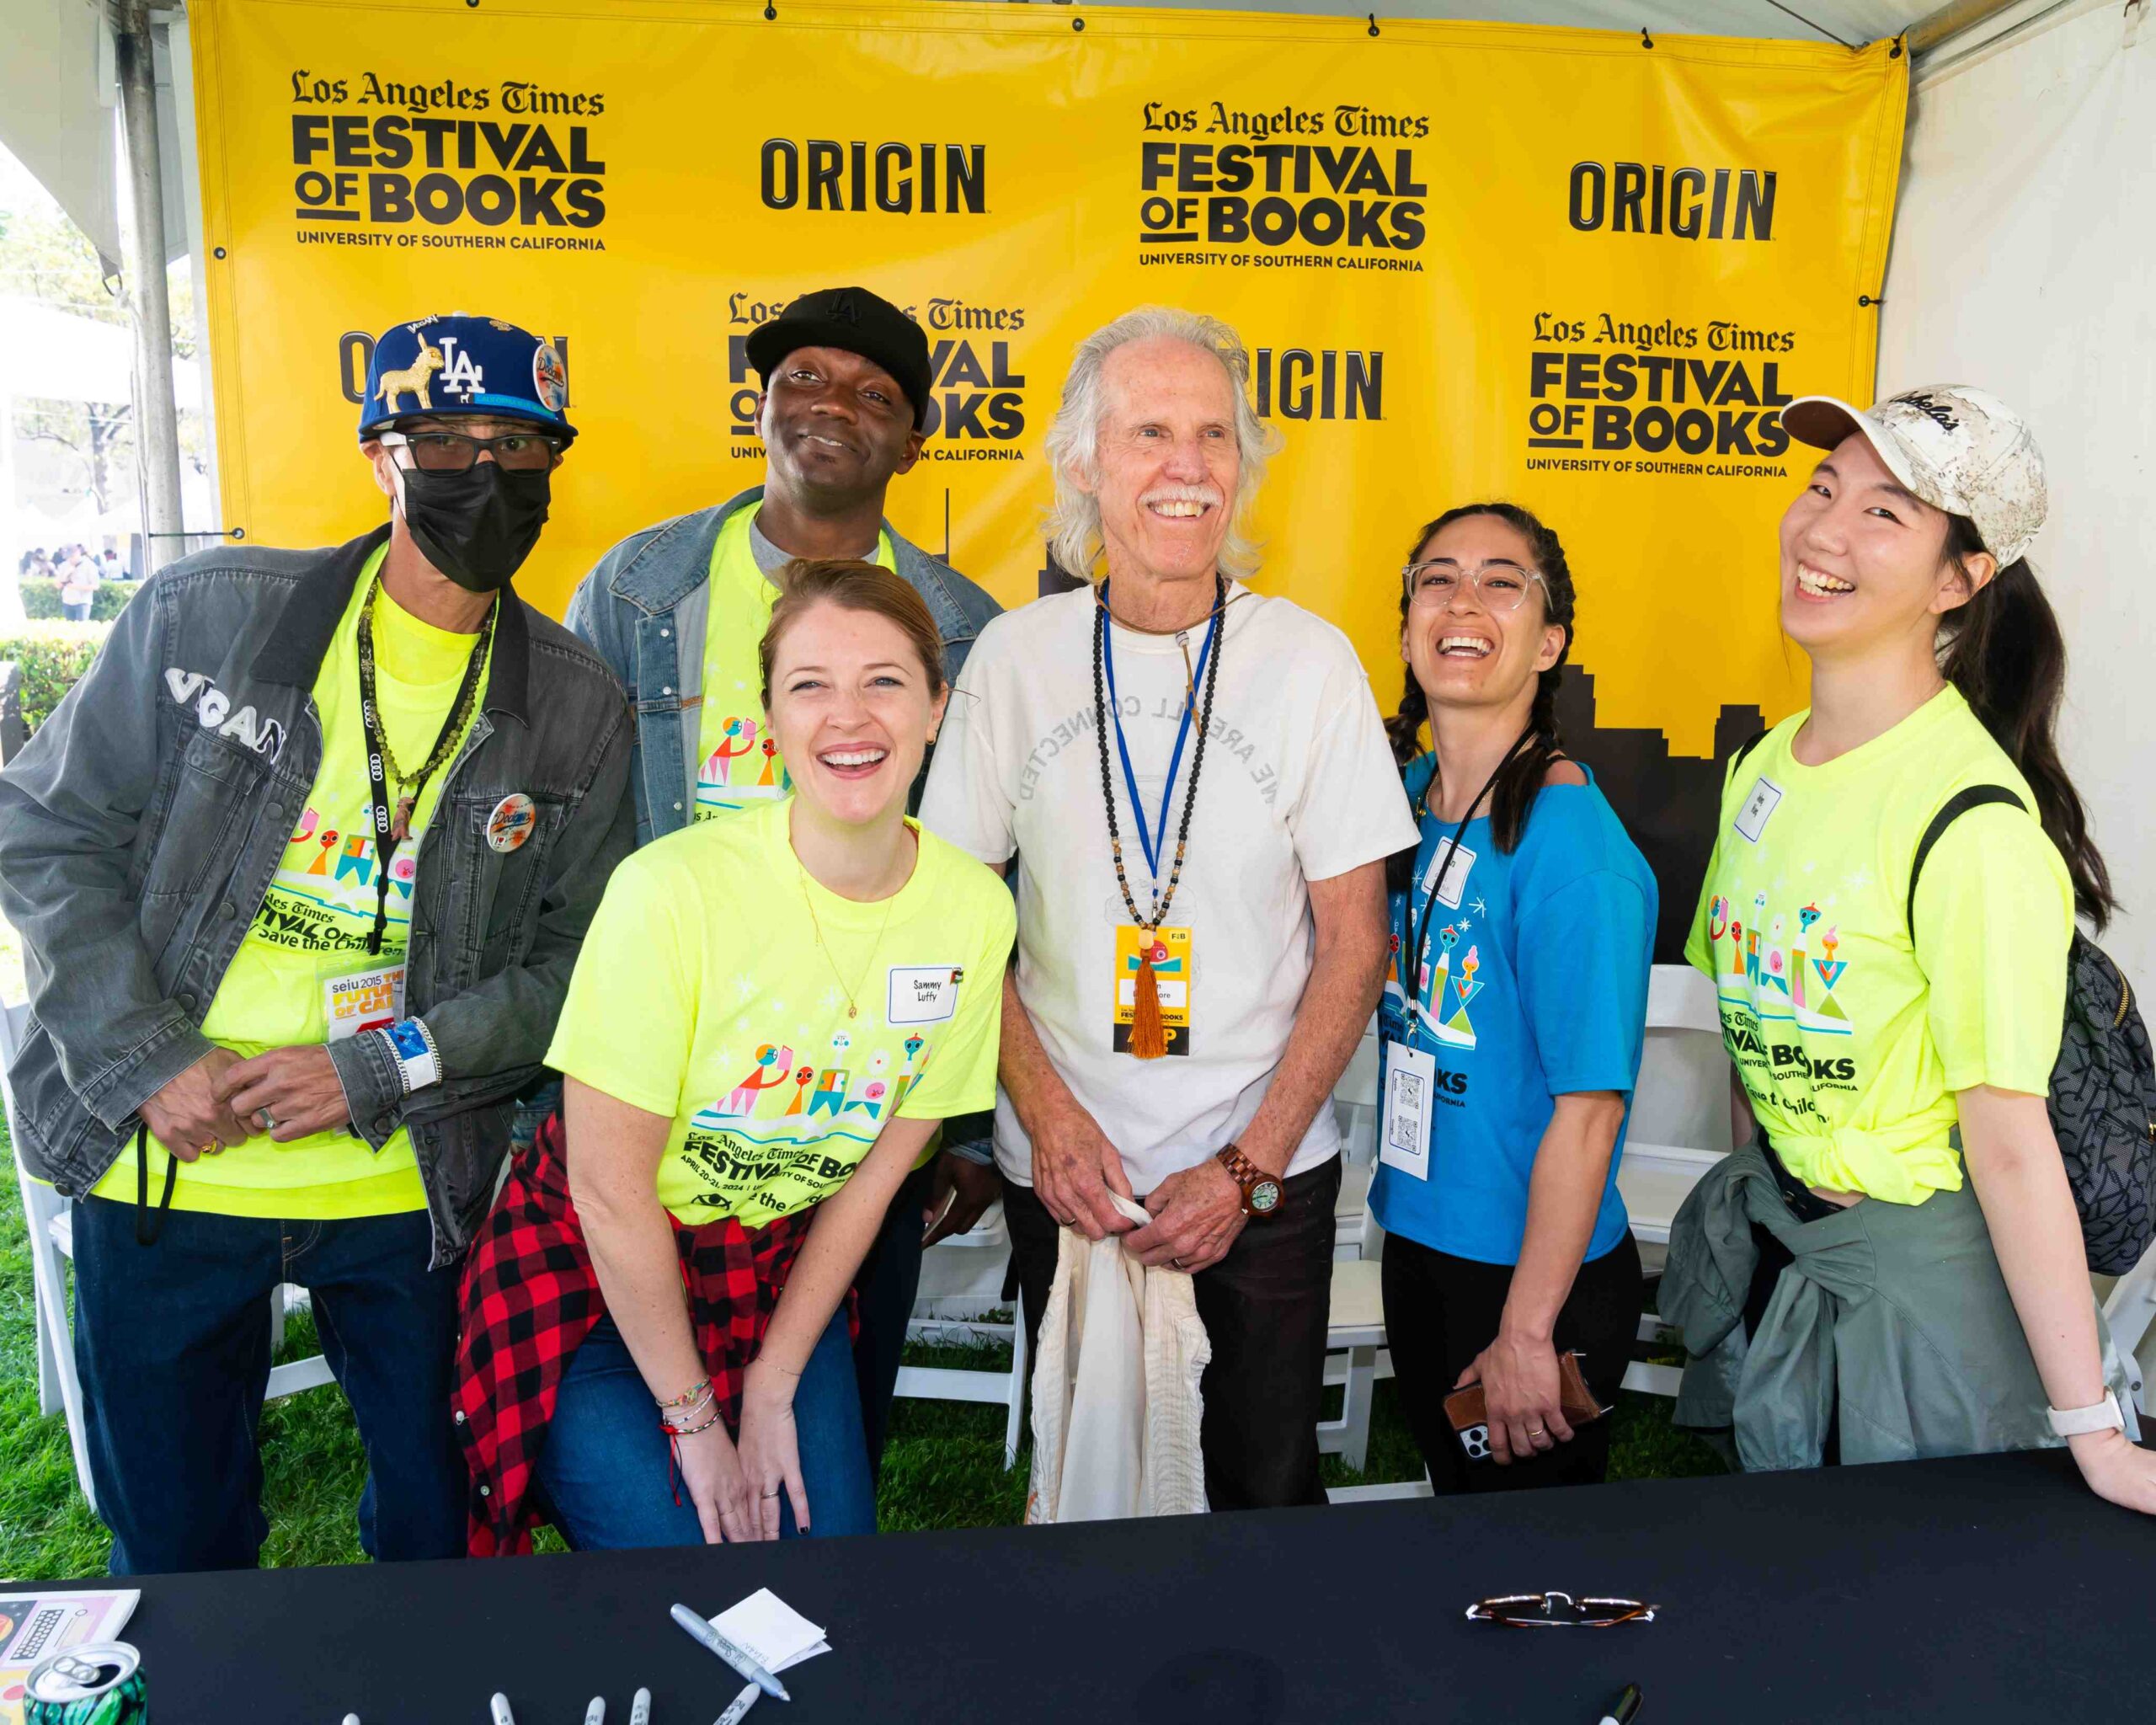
x,y
1536,985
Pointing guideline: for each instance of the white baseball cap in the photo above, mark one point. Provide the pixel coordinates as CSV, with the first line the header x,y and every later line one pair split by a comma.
x,y
1959,449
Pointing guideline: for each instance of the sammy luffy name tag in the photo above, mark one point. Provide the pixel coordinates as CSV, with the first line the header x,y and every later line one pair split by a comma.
x,y
1171,963
923,994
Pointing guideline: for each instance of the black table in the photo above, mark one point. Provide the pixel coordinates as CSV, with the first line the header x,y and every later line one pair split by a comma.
x,y
1993,1587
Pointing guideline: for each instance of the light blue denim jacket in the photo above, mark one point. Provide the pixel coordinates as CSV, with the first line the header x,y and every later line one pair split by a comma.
x,y
645,609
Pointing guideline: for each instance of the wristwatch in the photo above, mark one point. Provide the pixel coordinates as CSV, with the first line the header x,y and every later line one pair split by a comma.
x,y
1261,1190
2104,1416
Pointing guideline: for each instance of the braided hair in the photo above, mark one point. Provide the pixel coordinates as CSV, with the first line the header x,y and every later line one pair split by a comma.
x,y
1514,793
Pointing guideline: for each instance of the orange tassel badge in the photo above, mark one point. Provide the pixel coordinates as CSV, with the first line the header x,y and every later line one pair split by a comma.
x,y
1149,1039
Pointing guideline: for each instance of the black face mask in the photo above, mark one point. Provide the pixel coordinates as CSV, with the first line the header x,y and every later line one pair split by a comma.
x,y
476,527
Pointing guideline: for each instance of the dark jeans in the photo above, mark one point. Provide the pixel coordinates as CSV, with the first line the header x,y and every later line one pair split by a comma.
x,y
1440,1311
1265,1307
172,1344
608,1477
889,1280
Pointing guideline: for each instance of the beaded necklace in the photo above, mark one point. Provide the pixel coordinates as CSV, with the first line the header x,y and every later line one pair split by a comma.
x,y
1147,1035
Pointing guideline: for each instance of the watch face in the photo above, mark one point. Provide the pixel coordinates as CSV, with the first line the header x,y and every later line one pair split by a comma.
x,y
1265,1196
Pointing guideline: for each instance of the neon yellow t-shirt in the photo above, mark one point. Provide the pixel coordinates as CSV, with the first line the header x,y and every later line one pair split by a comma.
x,y
313,927
738,759
1852,1039
702,994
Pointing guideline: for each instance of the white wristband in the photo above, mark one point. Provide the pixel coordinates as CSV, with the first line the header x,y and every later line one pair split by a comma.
x,y
2104,1416
412,1046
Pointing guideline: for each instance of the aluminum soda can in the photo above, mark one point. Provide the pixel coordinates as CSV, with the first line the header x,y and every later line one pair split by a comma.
x,y
99,1683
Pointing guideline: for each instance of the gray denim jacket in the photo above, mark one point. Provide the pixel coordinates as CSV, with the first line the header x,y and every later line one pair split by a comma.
x,y
140,830
645,607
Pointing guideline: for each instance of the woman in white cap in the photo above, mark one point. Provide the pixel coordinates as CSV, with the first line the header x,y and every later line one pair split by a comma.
x,y
1893,1267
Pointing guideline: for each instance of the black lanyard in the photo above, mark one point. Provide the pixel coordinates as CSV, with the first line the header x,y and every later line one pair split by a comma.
x,y
389,829
1419,945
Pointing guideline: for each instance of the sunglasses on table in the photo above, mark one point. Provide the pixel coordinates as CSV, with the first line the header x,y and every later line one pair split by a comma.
x,y
1553,1610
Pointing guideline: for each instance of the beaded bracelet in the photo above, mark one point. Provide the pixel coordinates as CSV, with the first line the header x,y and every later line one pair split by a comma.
x,y
695,1392
695,1410
690,1431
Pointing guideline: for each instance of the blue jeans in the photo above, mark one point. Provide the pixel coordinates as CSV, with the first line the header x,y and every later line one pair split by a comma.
x,y
606,1473
172,1344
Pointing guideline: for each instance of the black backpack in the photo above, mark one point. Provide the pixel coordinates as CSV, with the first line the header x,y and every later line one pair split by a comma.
x,y
2103,1095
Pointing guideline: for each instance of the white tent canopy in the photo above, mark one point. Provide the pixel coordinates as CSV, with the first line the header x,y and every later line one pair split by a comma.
x,y
50,355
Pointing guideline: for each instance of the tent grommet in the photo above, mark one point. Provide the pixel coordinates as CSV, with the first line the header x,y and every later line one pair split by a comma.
x,y
1646,40
1866,299
1078,23
1373,24
219,254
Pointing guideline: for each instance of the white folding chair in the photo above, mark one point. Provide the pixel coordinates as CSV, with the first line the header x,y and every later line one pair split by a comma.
x,y
49,1221
962,1283
1656,1178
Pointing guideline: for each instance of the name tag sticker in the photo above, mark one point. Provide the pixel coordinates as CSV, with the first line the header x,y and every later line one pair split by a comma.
x,y
923,994
1410,1080
1448,882
364,999
1752,818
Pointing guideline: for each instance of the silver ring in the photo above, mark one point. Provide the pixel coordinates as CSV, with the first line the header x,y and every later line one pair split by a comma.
x,y
1177,1263
771,1494
268,1123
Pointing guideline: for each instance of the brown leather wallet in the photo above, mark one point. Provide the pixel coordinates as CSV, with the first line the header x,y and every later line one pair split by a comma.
x,y
1469,1413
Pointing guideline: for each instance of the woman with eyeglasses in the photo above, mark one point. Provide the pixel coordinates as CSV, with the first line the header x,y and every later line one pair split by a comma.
x,y
1513,1018
1893,1266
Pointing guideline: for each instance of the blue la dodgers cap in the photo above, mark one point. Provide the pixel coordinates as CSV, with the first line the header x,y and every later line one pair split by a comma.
x,y
464,365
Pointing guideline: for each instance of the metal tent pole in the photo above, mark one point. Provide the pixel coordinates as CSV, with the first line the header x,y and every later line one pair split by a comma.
x,y
1946,22
143,262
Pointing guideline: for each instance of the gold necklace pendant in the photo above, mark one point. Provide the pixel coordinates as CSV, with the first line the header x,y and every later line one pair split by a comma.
x,y
852,995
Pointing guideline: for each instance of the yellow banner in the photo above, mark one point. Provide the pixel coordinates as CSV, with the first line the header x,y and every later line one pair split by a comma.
x,y
1574,269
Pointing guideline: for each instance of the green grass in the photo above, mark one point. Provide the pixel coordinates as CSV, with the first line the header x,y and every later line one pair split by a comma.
x,y
943,1467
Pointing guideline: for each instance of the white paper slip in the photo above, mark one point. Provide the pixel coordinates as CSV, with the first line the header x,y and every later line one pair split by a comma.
x,y
776,1634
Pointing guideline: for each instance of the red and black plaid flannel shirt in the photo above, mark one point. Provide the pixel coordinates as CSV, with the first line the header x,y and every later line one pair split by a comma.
x,y
530,1298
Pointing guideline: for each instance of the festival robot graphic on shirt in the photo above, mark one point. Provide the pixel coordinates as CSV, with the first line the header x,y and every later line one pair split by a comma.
x,y
745,766
1778,977
780,1119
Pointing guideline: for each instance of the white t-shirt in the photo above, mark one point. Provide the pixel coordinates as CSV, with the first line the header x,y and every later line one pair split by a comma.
x,y
1298,785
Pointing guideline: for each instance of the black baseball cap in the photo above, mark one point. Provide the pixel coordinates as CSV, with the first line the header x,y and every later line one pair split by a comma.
x,y
859,321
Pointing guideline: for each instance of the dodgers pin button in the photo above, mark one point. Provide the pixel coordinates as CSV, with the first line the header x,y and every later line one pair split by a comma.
x,y
511,823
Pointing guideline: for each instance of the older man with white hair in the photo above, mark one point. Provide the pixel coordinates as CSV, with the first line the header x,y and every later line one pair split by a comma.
x,y
1196,783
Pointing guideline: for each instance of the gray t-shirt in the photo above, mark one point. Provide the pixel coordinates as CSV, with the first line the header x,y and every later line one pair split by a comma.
x,y
771,559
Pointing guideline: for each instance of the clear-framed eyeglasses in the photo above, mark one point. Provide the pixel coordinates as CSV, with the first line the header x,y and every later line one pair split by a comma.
x,y
454,452
1500,584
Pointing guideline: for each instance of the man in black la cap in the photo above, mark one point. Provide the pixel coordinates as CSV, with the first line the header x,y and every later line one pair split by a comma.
x,y
679,609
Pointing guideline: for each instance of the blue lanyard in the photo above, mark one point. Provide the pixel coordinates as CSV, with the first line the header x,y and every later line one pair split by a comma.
x,y
1145,837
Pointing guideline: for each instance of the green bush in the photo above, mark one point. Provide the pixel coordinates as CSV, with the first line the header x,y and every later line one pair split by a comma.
x,y
41,599
53,657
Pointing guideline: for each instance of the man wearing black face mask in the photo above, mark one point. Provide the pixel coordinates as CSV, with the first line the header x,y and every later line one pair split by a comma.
x,y
301,868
